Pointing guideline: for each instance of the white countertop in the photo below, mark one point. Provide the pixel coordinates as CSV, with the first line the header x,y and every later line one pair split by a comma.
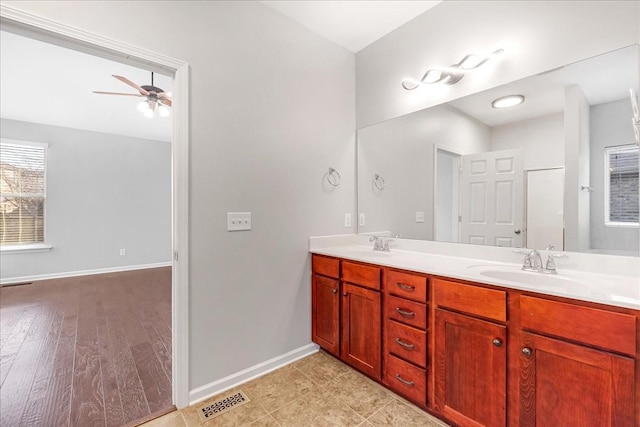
x,y
622,290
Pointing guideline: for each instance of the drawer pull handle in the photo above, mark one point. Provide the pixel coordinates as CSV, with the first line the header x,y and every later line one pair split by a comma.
x,y
405,286
403,381
404,344
526,351
405,313
497,342
335,291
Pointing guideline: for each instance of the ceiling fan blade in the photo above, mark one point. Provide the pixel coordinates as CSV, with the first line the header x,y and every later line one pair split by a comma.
x,y
165,101
117,93
132,84
165,95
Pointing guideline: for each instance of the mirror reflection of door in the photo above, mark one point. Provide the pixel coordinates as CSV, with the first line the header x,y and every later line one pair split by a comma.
x,y
545,208
447,196
492,187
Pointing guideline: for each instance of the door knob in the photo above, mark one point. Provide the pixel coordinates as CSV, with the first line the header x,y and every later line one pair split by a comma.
x,y
517,231
526,351
497,342
335,291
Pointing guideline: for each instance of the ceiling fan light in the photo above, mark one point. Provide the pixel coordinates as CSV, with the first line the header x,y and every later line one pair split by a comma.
x,y
149,113
163,110
143,107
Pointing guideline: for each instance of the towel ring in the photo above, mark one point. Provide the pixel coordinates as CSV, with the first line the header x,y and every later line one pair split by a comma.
x,y
378,181
333,177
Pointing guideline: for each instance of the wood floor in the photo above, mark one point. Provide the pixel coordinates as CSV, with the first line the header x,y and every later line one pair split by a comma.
x,y
86,351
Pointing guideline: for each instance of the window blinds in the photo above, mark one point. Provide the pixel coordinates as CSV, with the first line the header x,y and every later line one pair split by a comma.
x,y
22,193
624,205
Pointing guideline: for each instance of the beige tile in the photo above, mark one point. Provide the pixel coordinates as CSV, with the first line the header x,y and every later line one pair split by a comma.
x,y
278,388
318,408
321,368
244,414
399,414
267,421
172,419
359,393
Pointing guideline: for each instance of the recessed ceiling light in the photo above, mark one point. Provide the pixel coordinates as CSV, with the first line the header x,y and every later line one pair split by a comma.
x,y
507,101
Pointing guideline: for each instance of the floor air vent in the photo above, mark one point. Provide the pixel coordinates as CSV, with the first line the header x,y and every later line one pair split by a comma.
x,y
222,405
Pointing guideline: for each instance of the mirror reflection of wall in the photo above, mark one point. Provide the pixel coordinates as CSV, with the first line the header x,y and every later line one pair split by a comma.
x,y
569,117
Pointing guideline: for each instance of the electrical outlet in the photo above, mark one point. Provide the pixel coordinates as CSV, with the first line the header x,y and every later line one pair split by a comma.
x,y
419,216
361,220
347,220
123,252
238,221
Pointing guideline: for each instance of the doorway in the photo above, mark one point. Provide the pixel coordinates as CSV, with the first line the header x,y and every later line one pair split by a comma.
x,y
31,26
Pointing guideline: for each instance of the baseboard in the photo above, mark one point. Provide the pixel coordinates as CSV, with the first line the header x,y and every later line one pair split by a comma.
x,y
255,371
81,273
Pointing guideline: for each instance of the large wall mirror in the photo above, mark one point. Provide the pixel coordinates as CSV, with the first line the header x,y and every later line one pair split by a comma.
x,y
559,169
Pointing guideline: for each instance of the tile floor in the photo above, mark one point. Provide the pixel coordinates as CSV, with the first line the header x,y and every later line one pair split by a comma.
x,y
315,391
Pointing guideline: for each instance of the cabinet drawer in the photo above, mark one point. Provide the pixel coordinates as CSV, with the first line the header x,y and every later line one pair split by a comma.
x,y
405,311
325,266
406,342
405,379
359,274
475,300
406,285
601,328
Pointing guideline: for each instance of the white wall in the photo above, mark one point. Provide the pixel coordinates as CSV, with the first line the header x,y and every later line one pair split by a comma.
x,y
537,36
272,108
104,193
401,151
610,125
541,140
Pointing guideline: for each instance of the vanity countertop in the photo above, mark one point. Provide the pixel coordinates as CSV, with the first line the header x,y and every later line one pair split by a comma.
x,y
615,290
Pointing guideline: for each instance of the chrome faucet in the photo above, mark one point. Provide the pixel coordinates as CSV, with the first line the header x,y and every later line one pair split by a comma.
x,y
533,261
380,243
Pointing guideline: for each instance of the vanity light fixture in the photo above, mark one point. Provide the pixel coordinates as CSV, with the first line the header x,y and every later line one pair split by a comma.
x,y
507,101
452,74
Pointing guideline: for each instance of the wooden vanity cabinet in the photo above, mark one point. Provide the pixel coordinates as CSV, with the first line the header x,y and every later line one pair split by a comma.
x,y
325,303
346,312
470,360
405,352
576,365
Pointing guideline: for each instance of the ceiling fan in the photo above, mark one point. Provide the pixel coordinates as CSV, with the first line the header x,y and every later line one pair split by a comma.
x,y
156,98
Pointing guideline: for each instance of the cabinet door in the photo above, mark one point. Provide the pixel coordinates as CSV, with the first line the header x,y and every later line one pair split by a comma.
x,y
563,384
361,333
470,370
326,313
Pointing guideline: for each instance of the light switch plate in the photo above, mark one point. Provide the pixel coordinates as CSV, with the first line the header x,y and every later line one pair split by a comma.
x,y
238,221
347,220
419,216
361,220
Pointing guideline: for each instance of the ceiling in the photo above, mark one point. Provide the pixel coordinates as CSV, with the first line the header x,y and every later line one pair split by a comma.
x,y
352,24
52,85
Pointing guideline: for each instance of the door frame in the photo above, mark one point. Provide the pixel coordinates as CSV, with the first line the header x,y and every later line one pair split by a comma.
x,y
39,28
436,148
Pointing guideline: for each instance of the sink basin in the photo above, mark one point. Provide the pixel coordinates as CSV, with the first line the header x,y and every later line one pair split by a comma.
x,y
515,274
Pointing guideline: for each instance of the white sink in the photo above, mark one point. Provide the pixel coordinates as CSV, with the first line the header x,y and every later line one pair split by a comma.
x,y
516,274
367,253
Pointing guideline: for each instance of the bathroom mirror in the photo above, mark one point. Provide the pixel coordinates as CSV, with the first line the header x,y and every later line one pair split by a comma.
x,y
530,175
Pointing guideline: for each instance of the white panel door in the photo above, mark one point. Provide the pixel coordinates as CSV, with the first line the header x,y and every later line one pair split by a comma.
x,y
492,199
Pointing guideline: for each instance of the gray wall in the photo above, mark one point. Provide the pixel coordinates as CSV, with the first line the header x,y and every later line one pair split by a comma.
x,y
401,151
272,107
610,125
104,193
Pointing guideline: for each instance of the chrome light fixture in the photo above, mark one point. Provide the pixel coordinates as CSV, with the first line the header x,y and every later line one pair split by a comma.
x,y
507,101
452,74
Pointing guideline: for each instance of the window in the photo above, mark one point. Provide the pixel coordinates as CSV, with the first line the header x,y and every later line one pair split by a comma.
x,y
22,192
621,186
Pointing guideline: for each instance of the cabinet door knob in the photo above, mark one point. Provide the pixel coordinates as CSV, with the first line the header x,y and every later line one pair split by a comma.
x,y
344,294
526,351
335,291
497,342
